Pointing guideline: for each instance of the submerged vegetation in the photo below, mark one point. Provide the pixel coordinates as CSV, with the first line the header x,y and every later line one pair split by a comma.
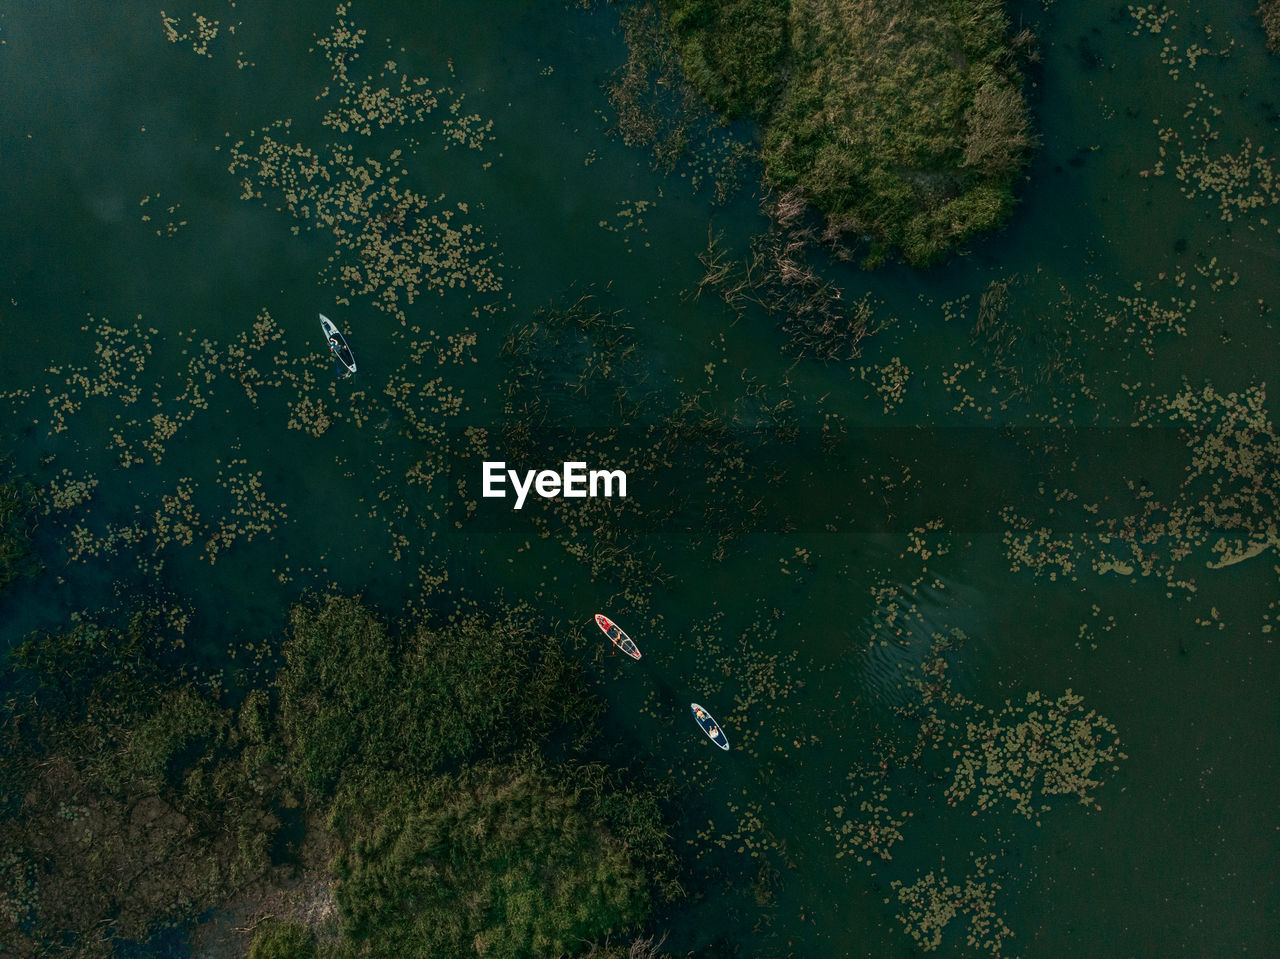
x,y
414,763
576,388
657,109
17,513
777,276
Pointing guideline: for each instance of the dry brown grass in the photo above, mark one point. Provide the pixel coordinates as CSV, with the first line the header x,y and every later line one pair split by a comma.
x,y
999,128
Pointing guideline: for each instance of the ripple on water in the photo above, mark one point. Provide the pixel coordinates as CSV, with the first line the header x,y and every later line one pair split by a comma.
x,y
896,635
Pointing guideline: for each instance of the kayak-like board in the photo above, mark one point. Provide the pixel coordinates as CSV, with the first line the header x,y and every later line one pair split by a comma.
x,y
617,636
338,343
709,726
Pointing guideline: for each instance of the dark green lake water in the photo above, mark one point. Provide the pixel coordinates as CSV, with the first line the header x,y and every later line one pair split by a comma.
x,y
120,215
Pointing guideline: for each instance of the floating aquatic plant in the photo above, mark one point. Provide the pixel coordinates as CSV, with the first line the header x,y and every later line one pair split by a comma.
x,y
933,902
1027,752
939,745
392,242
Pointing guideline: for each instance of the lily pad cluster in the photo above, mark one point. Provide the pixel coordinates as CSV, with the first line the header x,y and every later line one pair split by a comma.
x,y
392,241
937,744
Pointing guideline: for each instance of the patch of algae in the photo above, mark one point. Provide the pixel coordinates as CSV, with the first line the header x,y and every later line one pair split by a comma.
x,y
120,358
392,242
204,31
178,523
890,382
871,828
66,491
1268,13
1230,492
120,376
1238,182
172,225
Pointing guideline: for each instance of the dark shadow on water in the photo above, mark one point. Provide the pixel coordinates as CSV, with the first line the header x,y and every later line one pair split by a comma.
x,y
167,944
288,837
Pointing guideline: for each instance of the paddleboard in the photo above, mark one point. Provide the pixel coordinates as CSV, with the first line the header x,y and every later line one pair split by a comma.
x,y
338,343
617,636
709,726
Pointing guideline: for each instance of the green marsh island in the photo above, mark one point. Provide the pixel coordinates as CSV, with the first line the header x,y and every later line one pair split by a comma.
x,y
933,340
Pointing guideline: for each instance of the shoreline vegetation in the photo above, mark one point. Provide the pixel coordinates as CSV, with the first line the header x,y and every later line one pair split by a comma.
x,y
17,517
905,128
397,791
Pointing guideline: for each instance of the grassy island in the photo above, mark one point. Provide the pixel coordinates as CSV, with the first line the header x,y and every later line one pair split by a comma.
x,y
393,791
904,125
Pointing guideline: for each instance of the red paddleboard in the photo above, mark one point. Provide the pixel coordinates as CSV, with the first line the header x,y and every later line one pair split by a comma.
x,y
617,636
